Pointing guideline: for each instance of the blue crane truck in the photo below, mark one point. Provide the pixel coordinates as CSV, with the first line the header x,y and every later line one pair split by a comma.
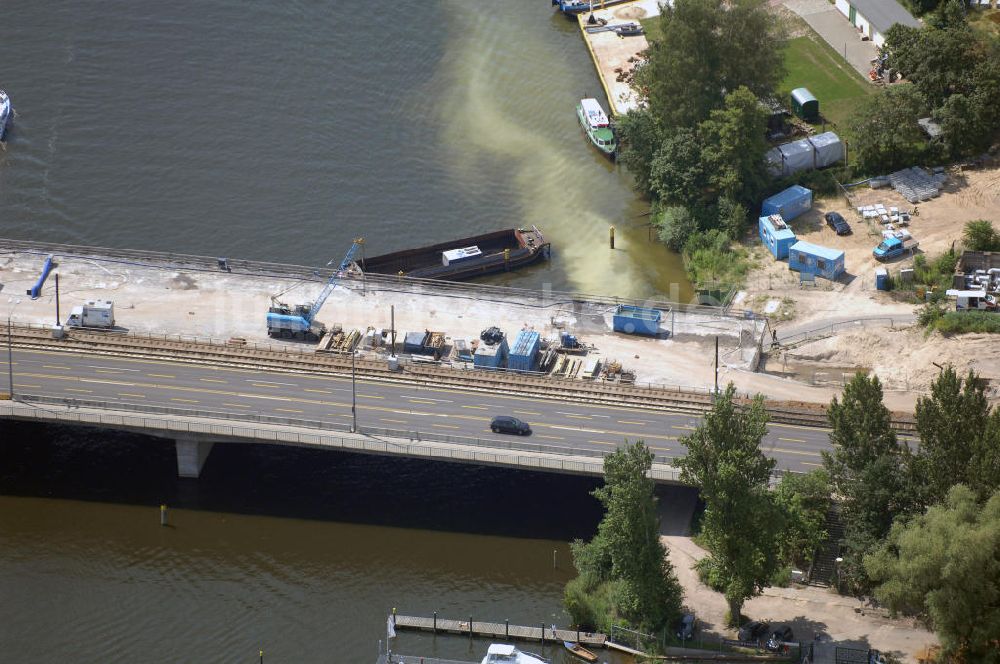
x,y
299,321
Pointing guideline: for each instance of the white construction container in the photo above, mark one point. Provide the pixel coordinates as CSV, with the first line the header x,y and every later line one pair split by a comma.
x,y
94,313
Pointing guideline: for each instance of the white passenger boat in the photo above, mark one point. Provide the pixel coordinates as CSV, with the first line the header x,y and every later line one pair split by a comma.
x,y
500,653
6,113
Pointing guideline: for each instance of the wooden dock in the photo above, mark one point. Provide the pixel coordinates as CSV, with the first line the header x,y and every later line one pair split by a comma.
x,y
500,631
413,659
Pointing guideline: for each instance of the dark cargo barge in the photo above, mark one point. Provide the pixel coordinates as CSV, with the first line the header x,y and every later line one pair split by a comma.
x,y
500,251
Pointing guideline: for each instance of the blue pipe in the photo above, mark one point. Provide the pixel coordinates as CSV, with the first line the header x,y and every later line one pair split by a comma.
x,y
36,290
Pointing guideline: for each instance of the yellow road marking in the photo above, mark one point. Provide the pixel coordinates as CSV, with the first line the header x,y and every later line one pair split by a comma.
x,y
810,463
386,419
236,405
602,442
580,417
309,389
549,437
476,407
288,410
129,394
161,375
682,426
445,426
799,452
74,389
792,440
527,412
273,387
423,401
213,380
370,396
184,400
631,422
20,385
110,371
53,366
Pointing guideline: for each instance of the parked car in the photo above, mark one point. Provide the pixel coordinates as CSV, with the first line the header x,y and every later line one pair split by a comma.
x,y
778,637
753,631
837,222
686,627
508,424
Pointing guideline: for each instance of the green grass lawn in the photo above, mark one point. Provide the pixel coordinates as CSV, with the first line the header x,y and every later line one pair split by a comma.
x,y
812,64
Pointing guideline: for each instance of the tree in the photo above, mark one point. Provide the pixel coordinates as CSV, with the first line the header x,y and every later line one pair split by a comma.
x,y
741,522
639,138
866,471
805,501
732,218
624,568
676,173
708,49
945,565
980,235
676,225
959,438
887,136
734,144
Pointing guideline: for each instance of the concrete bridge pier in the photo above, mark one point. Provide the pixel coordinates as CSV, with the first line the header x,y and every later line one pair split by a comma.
x,y
191,455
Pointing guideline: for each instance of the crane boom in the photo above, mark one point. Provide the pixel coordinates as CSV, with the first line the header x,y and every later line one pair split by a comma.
x,y
297,321
332,283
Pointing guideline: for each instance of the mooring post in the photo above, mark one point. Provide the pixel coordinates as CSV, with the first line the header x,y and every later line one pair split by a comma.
x,y
554,558
611,236
506,628
543,634
163,515
435,622
470,629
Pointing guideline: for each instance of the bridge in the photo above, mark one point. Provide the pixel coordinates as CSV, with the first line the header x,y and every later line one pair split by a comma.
x,y
179,390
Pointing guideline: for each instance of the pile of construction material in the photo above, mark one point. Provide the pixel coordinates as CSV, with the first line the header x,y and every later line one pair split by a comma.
x,y
914,184
884,215
335,340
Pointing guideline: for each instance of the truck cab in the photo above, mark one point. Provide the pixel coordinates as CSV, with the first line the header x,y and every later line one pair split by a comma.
x,y
891,247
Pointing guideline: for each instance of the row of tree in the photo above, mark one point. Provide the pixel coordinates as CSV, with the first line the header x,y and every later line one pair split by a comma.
x,y
922,524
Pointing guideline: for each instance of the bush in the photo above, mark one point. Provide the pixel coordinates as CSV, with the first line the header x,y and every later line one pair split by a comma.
x,y
676,225
980,235
709,574
782,577
590,604
966,322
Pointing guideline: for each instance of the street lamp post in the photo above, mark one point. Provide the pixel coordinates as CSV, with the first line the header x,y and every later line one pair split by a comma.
x,y
10,350
354,400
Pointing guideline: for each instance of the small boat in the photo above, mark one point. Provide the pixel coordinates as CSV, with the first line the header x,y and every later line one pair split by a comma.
x,y
500,653
577,650
6,113
595,122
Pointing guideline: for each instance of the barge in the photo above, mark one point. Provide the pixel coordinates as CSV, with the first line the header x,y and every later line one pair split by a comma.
x,y
466,258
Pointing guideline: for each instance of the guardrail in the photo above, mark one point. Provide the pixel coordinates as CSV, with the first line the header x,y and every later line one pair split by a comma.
x,y
828,330
543,457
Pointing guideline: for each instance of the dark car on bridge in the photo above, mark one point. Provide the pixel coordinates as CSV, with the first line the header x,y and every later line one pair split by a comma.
x,y
508,424
837,222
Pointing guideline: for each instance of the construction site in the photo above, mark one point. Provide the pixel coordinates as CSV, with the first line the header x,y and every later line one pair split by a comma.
x,y
342,311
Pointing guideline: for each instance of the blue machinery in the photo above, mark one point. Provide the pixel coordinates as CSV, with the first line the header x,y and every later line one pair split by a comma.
x,y
298,321
36,290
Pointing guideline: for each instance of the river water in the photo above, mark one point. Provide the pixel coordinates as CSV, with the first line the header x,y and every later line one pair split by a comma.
x,y
280,131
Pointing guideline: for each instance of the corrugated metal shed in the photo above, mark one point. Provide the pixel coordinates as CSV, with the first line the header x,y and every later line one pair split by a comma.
x,y
789,203
883,14
524,353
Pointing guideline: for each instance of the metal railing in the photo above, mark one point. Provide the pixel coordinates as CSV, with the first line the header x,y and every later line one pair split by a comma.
x,y
407,439
828,330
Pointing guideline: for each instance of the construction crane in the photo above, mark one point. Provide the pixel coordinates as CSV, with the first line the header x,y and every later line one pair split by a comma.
x,y
299,321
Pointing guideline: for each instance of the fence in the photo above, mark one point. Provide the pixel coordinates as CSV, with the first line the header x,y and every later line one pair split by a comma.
x,y
828,330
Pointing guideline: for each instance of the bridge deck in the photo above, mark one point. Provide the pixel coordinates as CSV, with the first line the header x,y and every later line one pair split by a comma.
x,y
499,630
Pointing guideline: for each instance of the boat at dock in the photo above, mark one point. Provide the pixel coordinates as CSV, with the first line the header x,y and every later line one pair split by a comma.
x,y
6,113
465,258
580,6
579,651
595,122
499,653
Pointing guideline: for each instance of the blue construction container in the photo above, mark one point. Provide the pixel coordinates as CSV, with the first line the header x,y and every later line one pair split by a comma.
x,y
789,203
524,353
413,342
637,320
776,235
816,260
491,357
